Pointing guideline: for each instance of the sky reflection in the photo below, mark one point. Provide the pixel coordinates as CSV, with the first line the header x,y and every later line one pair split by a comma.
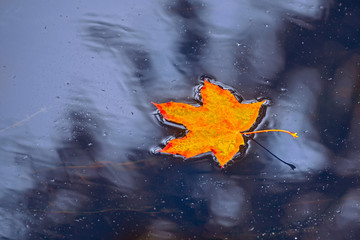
x,y
77,82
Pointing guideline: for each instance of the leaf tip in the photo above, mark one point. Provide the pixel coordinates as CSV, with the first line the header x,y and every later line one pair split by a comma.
x,y
206,82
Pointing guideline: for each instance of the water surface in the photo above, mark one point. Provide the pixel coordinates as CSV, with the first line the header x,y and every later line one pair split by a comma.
x,y
77,127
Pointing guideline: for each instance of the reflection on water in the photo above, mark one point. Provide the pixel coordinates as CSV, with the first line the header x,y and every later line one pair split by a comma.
x,y
77,81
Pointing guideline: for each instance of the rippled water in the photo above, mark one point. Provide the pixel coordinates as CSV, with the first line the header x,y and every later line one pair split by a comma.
x,y
77,79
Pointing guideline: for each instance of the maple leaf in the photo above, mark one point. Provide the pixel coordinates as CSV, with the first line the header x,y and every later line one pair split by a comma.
x,y
217,126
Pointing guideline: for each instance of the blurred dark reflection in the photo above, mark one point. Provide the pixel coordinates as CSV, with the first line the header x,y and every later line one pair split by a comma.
x,y
83,166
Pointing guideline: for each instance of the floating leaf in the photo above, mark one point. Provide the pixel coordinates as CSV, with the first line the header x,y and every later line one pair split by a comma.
x,y
217,126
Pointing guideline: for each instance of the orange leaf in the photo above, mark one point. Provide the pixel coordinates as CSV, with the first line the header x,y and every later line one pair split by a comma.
x,y
217,126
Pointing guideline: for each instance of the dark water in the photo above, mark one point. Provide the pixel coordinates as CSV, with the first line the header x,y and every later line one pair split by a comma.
x,y
77,79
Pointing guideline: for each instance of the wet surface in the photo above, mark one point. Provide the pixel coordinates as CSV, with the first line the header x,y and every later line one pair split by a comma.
x,y
77,127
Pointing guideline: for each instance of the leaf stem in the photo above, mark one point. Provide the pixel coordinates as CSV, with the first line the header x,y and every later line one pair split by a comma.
x,y
272,130
289,164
